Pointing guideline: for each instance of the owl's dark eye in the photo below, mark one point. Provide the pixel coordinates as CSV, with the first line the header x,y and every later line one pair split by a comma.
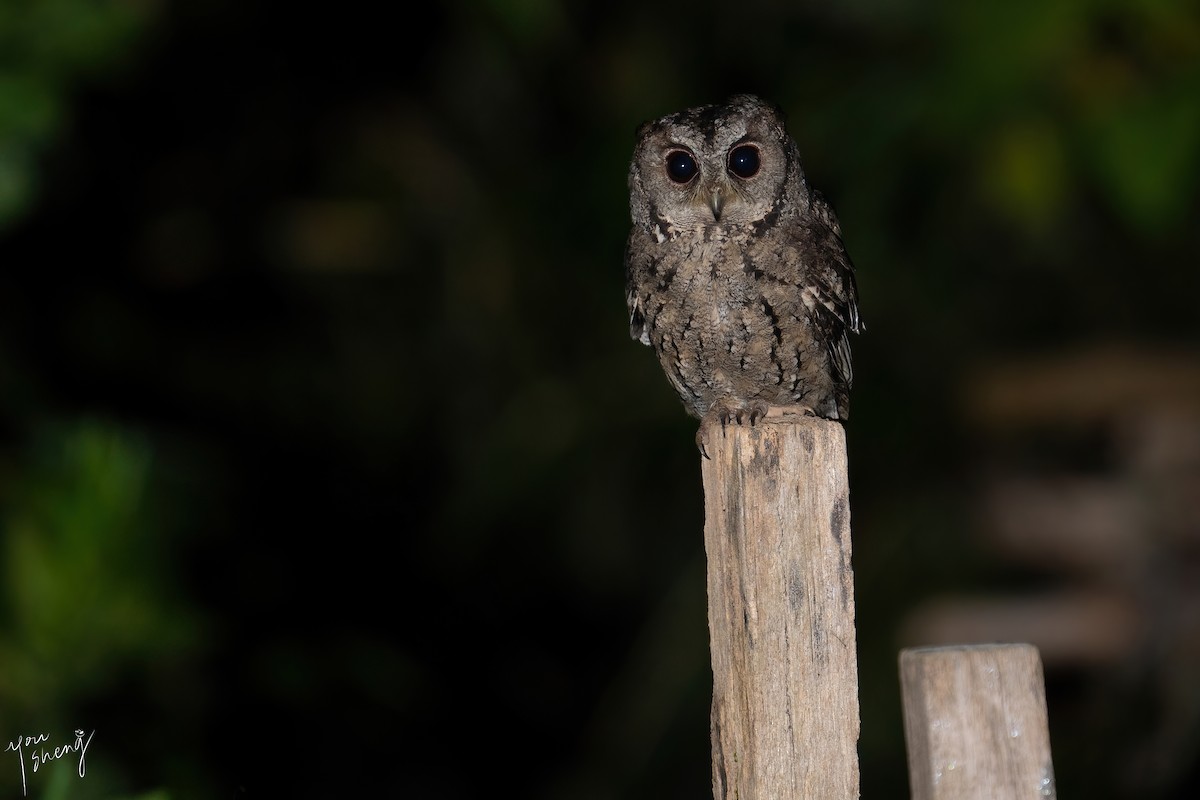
x,y
743,161
681,167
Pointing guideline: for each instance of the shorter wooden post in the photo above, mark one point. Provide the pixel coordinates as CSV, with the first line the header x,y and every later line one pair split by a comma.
x,y
975,723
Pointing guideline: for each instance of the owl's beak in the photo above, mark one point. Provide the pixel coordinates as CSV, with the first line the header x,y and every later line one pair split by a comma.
x,y
716,202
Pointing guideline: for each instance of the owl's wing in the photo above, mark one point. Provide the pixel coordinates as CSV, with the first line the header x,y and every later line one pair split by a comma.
x,y
638,327
829,285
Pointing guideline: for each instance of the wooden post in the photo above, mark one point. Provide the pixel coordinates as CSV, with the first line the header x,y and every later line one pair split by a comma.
x,y
781,612
975,723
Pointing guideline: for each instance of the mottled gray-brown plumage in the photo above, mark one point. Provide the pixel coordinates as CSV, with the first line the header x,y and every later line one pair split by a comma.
x,y
735,270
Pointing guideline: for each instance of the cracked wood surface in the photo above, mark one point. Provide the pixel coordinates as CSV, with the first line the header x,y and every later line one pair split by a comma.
x,y
785,716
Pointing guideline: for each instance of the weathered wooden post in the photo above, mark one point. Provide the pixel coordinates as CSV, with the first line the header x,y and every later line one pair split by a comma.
x,y
785,717
975,723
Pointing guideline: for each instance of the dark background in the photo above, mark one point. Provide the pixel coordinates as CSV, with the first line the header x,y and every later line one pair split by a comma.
x,y
328,468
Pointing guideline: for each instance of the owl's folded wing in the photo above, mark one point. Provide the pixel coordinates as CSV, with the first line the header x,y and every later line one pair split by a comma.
x,y
638,329
829,285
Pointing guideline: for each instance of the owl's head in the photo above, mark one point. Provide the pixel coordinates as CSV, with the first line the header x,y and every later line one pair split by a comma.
x,y
728,165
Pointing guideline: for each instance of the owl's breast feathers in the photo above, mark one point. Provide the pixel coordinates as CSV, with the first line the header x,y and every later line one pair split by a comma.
x,y
749,313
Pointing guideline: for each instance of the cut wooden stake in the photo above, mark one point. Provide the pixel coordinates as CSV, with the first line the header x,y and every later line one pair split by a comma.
x,y
785,716
975,723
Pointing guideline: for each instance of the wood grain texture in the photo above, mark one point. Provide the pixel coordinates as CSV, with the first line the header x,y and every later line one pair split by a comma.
x,y
785,716
975,723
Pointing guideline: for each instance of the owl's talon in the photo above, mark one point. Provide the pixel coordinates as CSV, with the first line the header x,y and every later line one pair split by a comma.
x,y
726,412
702,438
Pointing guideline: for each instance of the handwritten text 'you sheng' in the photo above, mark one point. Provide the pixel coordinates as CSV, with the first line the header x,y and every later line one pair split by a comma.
x,y
40,752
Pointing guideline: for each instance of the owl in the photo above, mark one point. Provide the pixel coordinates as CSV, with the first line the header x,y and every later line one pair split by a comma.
x,y
735,271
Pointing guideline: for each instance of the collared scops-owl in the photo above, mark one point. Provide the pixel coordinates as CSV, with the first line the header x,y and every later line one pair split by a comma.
x,y
735,270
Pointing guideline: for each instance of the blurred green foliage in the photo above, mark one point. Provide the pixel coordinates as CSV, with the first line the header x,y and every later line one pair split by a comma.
x,y
88,594
1063,95
49,49
86,581
60,781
